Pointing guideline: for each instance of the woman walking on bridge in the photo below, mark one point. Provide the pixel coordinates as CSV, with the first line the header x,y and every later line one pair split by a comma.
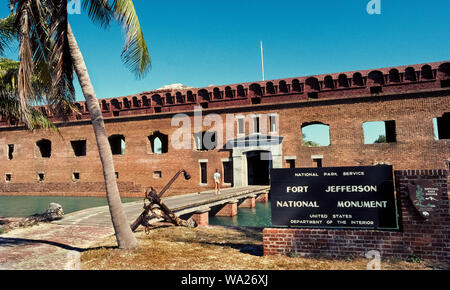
x,y
217,180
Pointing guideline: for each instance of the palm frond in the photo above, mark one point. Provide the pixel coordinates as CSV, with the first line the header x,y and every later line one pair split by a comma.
x,y
10,109
62,91
98,11
24,77
8,31
135,53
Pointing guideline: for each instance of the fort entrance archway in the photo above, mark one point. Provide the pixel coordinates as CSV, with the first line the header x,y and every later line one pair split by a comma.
x,y
258,167
253,156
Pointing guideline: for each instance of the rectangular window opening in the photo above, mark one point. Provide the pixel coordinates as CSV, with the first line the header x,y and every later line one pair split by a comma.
x,y
41,177
376,90
75,176
205,140
203,172
241,126
291,163
256,124
157,174
445,84
79,148
318,163
8,177
10,151
442,127
380,132
117,143
273,123
227,172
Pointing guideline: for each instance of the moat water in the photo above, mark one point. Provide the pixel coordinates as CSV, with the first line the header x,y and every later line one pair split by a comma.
x,y
260,216
23,206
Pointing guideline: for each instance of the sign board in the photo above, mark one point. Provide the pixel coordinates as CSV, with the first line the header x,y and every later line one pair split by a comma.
x,y
335,197
425,196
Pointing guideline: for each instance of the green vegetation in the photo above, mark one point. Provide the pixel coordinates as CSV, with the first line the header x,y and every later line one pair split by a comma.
x,y
381,139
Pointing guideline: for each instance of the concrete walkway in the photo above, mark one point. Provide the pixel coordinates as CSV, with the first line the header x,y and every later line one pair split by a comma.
x,y
58,245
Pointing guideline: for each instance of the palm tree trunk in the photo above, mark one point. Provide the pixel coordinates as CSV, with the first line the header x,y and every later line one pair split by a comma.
x,y
124,235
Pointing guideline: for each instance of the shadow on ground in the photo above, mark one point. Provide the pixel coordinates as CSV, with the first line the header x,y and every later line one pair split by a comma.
x,y
11,242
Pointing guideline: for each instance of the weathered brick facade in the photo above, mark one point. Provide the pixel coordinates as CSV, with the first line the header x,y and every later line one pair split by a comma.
x,y
411,96
427,239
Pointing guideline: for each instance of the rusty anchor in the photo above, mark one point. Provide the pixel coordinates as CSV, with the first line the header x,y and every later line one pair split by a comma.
x,y
154,207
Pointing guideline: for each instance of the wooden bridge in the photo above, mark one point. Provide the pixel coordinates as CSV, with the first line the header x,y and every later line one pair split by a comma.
x,y
198,205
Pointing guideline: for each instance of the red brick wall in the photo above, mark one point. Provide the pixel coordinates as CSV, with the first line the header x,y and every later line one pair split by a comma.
x,y
413,105
229,210
426,239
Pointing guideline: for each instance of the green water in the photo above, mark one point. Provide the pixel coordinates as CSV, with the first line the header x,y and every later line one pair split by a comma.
x,y
23,206
256,217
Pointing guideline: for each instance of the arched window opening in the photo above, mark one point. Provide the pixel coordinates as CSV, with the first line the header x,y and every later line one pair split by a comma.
x,y
217,93
169,99
44,148
126,103
315,134
256,89
410,74
343,81
270,89
159,143
313,83
180,98
282,86
228,93
105,106
136,102
358,79
241,91
444,74
204,94
190,97
426,72
394,76
296,87
328,82
145,101
157,100
116,104
377,77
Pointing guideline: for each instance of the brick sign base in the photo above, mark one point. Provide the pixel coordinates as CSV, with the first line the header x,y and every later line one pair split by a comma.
x,y
418,237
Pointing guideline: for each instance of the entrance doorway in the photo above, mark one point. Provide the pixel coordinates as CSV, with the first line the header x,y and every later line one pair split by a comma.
x,y
258,167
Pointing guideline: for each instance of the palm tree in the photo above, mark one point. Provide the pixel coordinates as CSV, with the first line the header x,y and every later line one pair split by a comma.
x,y
48,48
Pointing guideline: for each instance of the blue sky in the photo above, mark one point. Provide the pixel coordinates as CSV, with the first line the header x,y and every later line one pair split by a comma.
x,y
199,43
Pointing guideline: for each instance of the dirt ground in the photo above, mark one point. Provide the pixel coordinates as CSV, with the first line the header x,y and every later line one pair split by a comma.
x,y
218,248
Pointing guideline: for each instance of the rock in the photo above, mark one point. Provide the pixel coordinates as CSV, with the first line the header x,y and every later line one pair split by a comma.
x,y
53,212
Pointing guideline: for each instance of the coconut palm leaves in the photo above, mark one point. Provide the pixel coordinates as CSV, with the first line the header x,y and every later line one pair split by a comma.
x,y
7,32
135,53
49,51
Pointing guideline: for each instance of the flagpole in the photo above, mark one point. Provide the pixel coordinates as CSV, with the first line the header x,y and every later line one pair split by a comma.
x,y
262,60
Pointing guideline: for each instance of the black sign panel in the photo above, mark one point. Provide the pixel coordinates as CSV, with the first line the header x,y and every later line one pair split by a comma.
x,y
335,197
